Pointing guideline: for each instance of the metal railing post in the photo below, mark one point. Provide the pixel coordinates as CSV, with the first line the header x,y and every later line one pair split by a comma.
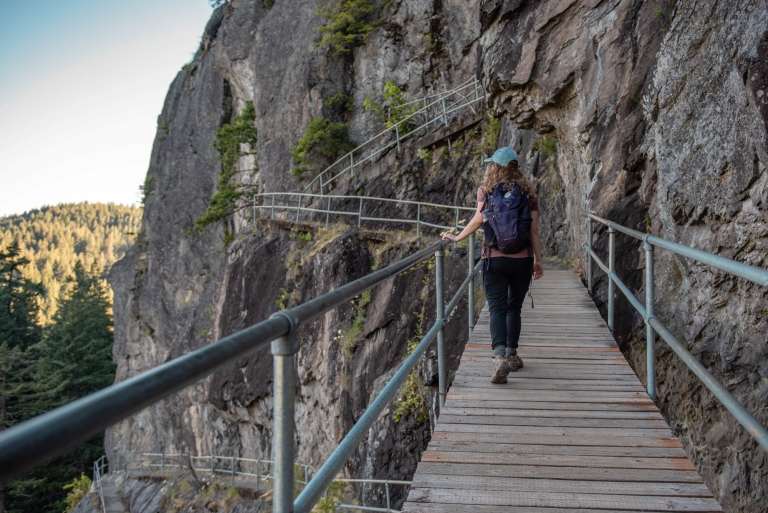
x,y
327,212
650,335
284,351
418,220
440,315
253,199
273,206
589,254
471,287
397,136
611,269
445,112
389,502
456,222
213,464
360,213
298,209
162,462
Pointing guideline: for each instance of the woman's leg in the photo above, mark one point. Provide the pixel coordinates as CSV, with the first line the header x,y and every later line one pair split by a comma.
x,y
519,276
496,286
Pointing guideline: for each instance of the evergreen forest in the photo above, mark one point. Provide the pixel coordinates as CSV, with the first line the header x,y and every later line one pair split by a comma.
x,y
56,331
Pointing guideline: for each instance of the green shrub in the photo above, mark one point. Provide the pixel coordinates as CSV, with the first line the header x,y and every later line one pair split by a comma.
x,y
411,400
547,146
332,498
491,131
340,104
76,490
393,109
146,189
322,138
351,334
346,26
229,138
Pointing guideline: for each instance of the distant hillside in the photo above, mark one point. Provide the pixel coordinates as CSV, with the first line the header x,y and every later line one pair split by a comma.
x,y
55,238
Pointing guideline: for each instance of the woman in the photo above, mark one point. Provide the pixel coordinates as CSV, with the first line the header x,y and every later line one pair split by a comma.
x,y
509,213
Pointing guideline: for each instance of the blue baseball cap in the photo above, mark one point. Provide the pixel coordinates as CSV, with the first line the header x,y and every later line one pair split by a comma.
x,y
502,156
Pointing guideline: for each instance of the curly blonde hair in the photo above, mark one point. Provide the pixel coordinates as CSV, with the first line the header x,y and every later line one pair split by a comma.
x,y
509,175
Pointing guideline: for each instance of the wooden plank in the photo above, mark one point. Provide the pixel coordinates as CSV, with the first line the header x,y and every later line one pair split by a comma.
x,y
542,384
547,395
573,431
550,373
426,507
562,431
536,438
600,414
560,485
511,404
514,420
560,500
514,446
558,460
550,472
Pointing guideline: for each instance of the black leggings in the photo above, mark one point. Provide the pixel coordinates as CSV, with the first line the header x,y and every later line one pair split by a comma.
x,y
506,282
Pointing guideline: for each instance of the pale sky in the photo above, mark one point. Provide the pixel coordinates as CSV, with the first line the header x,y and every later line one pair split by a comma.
x,y
81,85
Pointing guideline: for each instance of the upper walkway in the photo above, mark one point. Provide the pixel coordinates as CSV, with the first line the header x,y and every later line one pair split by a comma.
x,y
573,431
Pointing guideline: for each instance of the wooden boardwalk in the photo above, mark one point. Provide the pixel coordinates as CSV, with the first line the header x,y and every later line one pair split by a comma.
x,y
573,431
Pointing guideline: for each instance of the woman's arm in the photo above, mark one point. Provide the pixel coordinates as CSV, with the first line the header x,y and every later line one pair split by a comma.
x,y
538,272
472,226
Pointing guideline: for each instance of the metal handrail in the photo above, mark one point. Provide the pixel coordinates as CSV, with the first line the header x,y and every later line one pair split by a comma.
x,y
98,467
653,325
300,203
34,441
332,465
464,96
165,462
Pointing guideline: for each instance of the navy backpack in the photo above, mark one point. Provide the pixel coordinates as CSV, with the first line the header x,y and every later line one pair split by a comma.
x,y
507,218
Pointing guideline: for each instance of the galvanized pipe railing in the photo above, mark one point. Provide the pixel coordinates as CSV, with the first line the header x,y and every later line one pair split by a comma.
x,y
654,326
302,203
46,436
435,111
98,471
249,470
333,464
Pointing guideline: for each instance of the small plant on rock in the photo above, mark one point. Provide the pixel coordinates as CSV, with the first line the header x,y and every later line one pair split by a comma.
x,y
230,140
347,25
76,490
412,401
393,108
322,138
351,334
546,146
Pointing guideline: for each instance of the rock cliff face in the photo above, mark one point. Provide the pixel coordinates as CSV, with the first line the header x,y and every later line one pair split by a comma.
x,y
651,113
658,111
177,291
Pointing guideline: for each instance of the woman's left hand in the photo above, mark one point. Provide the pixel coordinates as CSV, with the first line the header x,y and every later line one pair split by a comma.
x,y
448,236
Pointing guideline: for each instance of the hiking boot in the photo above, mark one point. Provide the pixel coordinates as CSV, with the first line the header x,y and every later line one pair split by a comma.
x,y
501,369
514,363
